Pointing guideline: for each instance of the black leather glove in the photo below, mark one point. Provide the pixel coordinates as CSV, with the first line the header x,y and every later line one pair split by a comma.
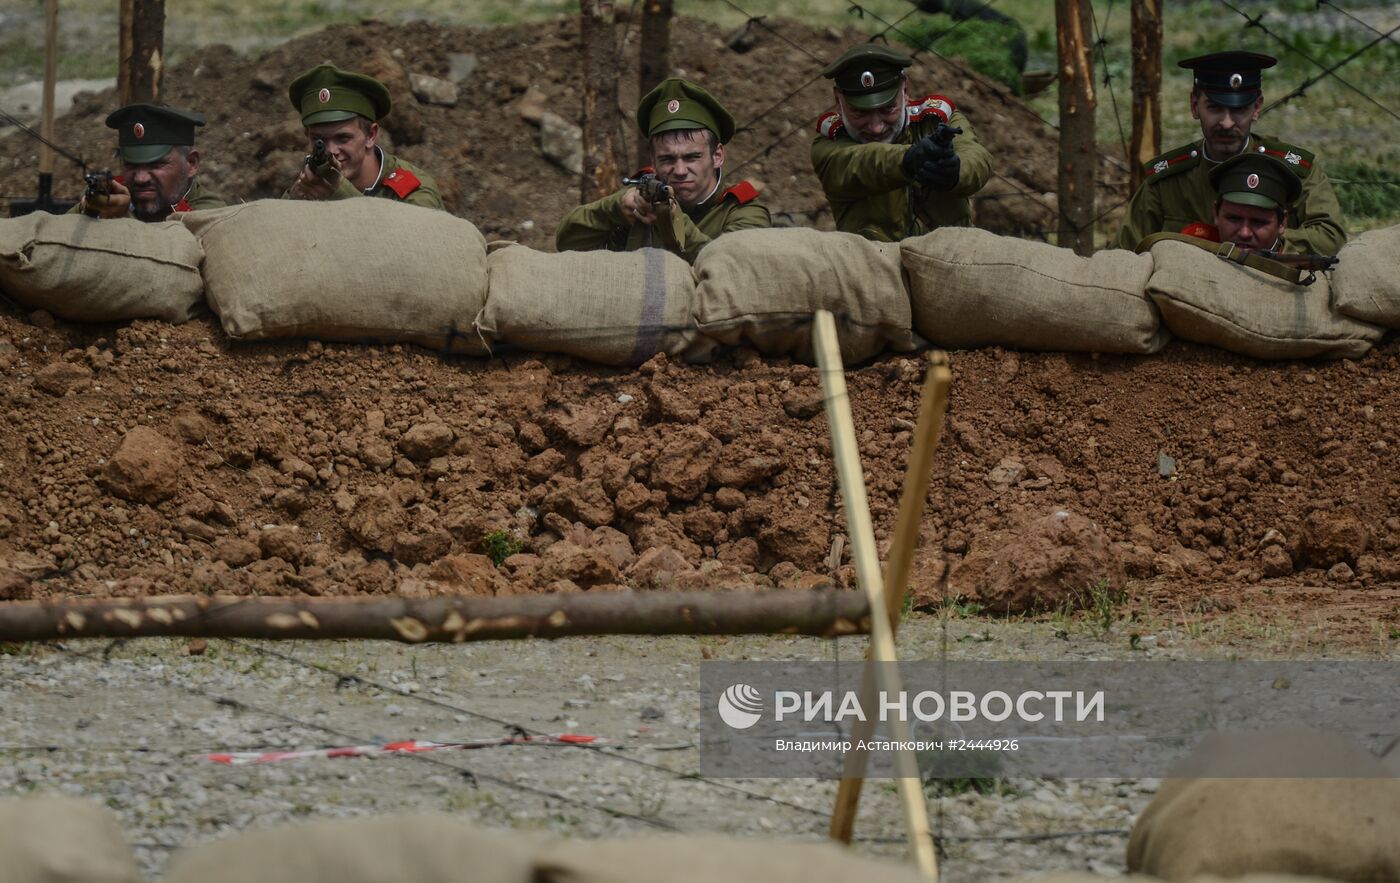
x,y
941,174
920,154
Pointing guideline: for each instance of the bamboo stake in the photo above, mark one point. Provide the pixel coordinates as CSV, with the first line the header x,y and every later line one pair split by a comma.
x,y
932,406
846,455
455,619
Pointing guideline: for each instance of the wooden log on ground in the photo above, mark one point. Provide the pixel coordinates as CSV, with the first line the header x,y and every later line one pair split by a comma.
x,y
824,614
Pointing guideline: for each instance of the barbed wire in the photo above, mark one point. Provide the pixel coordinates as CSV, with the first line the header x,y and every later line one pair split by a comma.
x,y
1365,24
1102,43
1257,21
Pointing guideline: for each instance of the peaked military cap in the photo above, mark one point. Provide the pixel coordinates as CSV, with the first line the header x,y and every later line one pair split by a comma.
x,y
327,94
146,132
869,75
1256,179
680,104
1229,78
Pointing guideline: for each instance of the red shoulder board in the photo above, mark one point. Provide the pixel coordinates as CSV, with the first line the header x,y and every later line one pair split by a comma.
x,y
1287,156
644,170
1208,232
931,105
829,124
744,192
182,206
402,182
120,179
1163,163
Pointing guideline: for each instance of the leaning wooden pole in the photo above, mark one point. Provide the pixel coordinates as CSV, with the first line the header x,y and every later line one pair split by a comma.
x,y
928,431
141,64
884,662
825,614
50,77
1078,147
1147,87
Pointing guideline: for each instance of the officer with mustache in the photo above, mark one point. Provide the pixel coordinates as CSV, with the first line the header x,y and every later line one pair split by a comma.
x,y
1226,96
160,166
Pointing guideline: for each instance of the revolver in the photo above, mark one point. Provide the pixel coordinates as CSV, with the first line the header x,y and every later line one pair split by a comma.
x,y
321,162
99,187
653,189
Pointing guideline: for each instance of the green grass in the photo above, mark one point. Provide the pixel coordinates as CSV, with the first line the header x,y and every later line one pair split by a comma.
x,y
498,545
983,46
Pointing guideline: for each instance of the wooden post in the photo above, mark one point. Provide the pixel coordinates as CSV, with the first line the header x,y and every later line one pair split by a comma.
x,y
653,57
1078,146
883,666
927,433
141,61
602,124
1147,87
50,75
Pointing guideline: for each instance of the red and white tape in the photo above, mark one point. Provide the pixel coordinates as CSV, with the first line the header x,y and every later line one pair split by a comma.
x,y
412,746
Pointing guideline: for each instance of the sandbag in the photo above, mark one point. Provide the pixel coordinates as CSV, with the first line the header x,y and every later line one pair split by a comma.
x,y
418,847
1366,282
711,859
90,270
972,288
62,840
614,308
761,287
354,269
1208,300
1341,829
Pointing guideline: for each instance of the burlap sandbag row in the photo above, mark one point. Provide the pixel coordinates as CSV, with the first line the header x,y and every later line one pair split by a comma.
x,y
357,270
89,270
1211,301
607,307
434,848
1342,829
1366,283
761,287
62,840
972,288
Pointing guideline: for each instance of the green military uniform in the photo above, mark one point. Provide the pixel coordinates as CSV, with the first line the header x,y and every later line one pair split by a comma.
x,y
326,94
1178,192
600,225
398,180
869,185
145,134
674,105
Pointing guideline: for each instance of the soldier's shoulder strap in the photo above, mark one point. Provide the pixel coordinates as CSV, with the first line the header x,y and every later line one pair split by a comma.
x,y
1173,162
743,192
829,125
402,181
1299,159
939,106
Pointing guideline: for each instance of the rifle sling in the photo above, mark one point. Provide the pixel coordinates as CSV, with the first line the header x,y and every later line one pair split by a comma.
x,y
1228,251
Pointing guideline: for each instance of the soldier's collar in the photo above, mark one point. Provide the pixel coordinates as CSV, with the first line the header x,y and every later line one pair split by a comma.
x,y
1205,155
700,206
369,191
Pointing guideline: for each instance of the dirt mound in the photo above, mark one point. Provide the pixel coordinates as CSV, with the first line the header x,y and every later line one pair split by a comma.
x,y
329,469
486,156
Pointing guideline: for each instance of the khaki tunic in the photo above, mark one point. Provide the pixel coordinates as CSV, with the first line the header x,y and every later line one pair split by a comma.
x,y
1178,192
196,199
868,190
600,225
394,184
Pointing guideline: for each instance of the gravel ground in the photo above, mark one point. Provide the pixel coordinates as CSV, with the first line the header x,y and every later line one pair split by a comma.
x,y
128,725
